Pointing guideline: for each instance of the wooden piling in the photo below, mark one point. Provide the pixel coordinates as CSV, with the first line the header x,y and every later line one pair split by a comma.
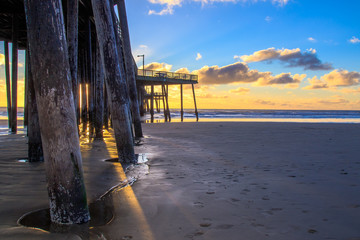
x,y
163,100
83,91
157,103
26,80
115,81
14,75
152,103
182,107
106,108
89,75
7,80
129,67
99,96
35,150
51,74
196,112
72,41
141,100
167,102
120,50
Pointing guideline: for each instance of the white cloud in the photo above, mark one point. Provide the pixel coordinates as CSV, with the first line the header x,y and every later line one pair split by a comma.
x,y
168,5
354,40
268,19
140,50
311,39
198,56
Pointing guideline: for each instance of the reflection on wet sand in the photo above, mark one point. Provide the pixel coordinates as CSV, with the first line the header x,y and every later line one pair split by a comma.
x,y
102,210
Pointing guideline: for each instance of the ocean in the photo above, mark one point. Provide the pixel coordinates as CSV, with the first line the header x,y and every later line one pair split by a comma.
x,y
235,115
242,115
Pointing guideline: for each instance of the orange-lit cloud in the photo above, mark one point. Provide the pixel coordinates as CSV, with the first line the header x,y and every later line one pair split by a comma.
x,y
291,57
2,59
336,78
240,90
198,56
183,70
334,101
158,66
240,73
168,5
234,73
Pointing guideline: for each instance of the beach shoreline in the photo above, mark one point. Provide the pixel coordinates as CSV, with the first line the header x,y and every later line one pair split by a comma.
x,y
219,180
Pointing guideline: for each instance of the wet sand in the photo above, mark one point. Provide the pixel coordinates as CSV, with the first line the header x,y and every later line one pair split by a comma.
x,y
208,181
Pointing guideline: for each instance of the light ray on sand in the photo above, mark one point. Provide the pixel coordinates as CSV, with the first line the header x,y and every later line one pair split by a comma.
x,y
135,206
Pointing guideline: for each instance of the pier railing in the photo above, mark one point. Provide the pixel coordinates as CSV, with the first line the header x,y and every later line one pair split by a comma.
x,y
164,74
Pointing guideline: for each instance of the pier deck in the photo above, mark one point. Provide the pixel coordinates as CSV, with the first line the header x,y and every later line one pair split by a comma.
x,y
151,77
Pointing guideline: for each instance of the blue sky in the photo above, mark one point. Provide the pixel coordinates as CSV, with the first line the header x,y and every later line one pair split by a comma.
x,y
219,30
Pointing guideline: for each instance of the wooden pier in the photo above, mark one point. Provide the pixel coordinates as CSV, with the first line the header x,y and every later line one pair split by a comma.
x,y
146,78
79,72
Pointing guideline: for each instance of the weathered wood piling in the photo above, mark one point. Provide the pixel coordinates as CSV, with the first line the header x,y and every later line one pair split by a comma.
x,y
129,68
8,84
115,81
14,74
55,103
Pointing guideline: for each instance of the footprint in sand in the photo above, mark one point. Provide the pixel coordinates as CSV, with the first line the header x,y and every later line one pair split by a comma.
x,y
204,225
126,237
195,234
198,204
224,226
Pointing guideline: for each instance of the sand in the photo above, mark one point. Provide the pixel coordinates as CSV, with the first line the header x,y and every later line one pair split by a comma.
x,y
208,181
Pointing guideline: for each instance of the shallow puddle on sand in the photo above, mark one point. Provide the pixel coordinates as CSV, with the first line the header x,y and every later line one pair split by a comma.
x,y
140,158
101,210
22,160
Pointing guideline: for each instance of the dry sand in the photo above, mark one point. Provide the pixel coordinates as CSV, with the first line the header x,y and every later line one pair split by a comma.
x,y
208,181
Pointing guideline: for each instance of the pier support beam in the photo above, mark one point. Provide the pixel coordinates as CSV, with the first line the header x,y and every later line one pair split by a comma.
x,y
99,96
182,107
90,77
35,150
116,84
26,81
59,133
163,100
196,111
165,89
83,91
8,84
14,75
152,103
129,68
72,41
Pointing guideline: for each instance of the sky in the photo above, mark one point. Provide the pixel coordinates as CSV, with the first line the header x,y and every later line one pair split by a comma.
x,y
264,54
249,54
